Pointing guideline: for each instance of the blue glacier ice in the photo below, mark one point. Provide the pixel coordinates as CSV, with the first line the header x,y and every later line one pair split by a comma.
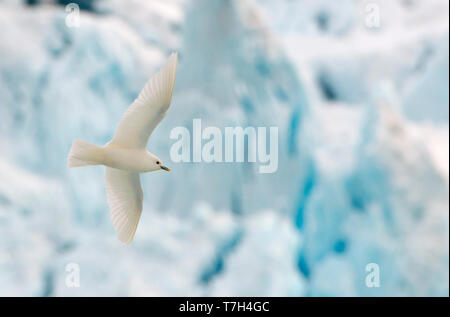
x,y
363,171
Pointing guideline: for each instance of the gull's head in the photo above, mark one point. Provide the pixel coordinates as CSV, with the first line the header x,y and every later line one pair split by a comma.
x,y
154,163
160,164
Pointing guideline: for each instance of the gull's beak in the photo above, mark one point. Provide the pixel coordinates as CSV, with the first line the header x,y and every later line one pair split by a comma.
x,y
165,168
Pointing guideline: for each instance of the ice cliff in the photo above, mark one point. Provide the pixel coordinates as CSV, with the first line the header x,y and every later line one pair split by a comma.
x,y
363,148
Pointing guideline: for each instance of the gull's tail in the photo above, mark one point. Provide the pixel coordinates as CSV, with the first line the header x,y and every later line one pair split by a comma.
x,y
83,154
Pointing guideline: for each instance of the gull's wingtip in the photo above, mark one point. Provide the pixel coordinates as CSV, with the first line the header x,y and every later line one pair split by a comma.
x,y
171,64
173,58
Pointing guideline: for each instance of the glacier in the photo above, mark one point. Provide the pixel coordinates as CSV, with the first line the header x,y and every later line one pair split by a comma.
x,y
362,175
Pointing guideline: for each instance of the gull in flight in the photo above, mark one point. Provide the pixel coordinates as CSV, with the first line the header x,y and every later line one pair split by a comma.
x,y
125,156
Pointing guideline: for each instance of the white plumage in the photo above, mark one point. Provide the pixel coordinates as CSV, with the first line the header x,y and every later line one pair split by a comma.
x,y
125,156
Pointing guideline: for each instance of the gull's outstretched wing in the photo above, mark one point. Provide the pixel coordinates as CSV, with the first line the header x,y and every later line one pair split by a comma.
x,y
148,109
124,194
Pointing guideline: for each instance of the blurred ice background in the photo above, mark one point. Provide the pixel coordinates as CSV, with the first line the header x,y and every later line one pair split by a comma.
x,y
363,147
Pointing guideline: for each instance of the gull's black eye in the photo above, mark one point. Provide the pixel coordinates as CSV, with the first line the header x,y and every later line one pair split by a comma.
x,y
157,162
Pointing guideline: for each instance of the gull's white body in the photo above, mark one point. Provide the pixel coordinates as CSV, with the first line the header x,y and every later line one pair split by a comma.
x,y
132,160
125,155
